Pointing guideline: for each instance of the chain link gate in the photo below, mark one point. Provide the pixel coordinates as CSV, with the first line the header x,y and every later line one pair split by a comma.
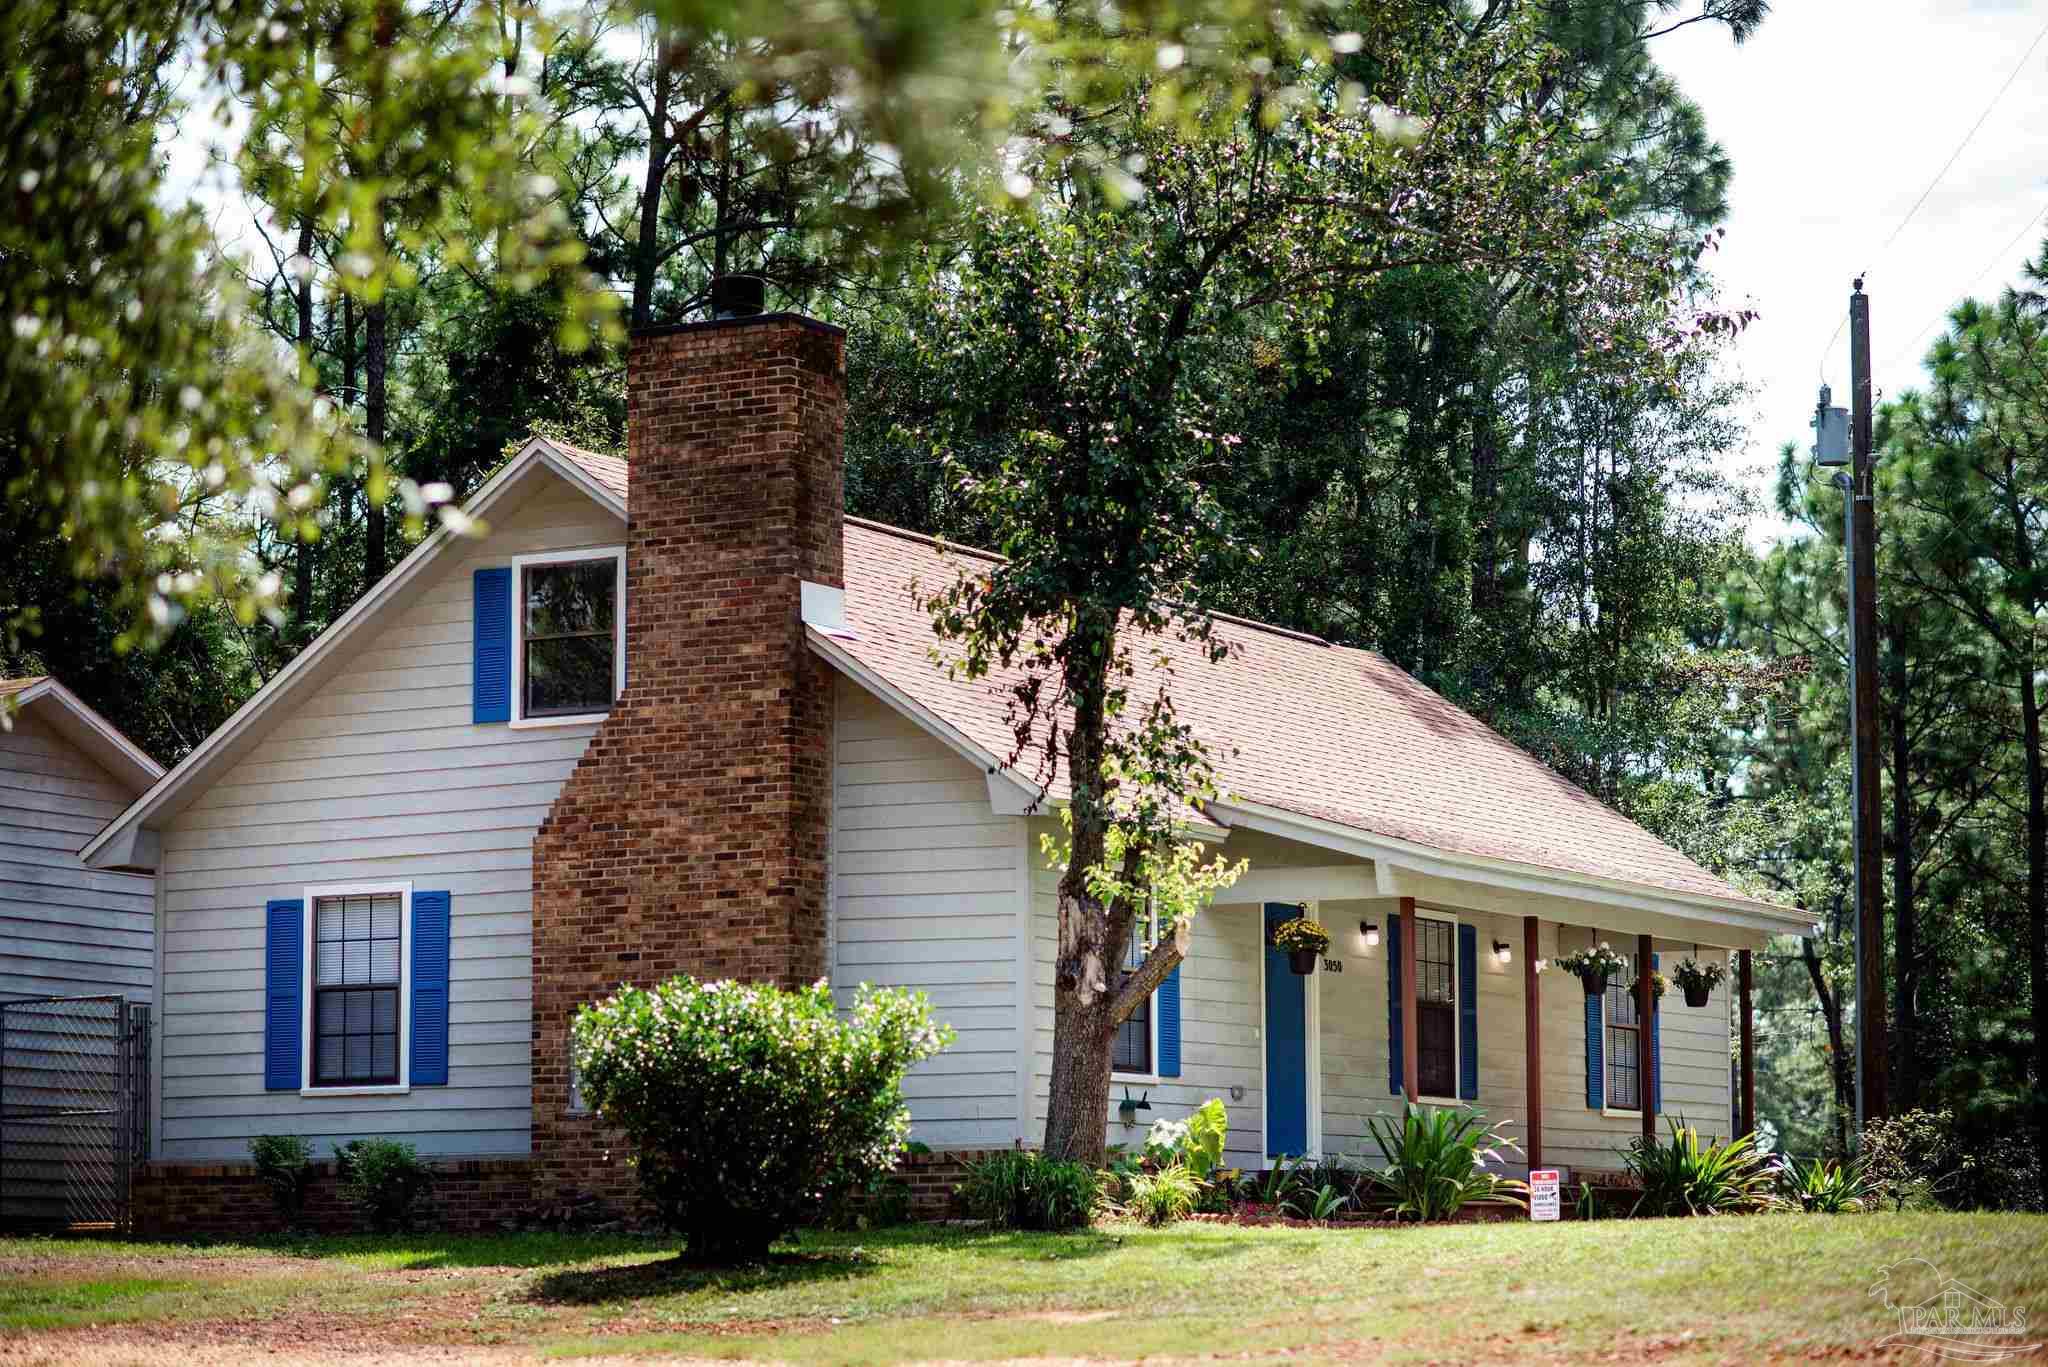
x,y
74,1110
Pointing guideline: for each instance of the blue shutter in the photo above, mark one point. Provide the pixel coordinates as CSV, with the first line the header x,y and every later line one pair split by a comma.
x,y
1596,1062
1468,1012
1656,1052
429,989
1394,1084
1169,1024
284,969
491,656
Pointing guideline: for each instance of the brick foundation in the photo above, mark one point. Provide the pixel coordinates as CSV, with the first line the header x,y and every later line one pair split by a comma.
x,y
692,836
186,1199
933,1178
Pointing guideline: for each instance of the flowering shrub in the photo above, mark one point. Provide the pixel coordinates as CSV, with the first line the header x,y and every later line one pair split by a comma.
x,y
750,1107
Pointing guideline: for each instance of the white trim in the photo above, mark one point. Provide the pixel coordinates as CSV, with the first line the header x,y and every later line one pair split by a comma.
x,y
1393,856
1151,1076
536,454
1607,1055
1027,1014
541,560
1619,1113
312,894
114,750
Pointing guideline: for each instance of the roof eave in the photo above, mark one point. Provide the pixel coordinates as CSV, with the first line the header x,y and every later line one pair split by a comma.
x,y
92,733
536,454
1390,854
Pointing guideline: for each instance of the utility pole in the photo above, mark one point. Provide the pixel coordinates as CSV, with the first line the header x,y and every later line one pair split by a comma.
x,y
1859,508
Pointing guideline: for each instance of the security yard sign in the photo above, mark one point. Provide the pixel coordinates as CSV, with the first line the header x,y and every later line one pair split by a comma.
x,y
1543,1194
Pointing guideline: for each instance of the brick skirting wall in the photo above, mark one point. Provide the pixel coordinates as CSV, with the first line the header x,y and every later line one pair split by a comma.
x,y
932,1178
186,1199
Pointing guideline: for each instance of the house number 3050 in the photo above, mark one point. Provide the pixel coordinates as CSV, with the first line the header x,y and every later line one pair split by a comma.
x,y
1333,965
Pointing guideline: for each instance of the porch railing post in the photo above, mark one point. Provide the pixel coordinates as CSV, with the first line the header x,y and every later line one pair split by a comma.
x,y
1532,1033
1742,973
1646,1003
1410,1026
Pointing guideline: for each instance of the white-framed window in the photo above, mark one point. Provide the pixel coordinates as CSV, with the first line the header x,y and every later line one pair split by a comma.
x,y
1134,1055
1436,1006
1621,1044
358,998
568,635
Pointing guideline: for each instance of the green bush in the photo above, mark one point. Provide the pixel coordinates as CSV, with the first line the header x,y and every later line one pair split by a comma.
x,y
1686,1177
1911,1158
1436,1162
1160,1198
1023,1189
1196,1142
383,1179
1826,1186
284,1164
749,1107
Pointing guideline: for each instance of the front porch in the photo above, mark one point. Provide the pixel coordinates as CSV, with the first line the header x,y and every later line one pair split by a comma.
x,y
1442,996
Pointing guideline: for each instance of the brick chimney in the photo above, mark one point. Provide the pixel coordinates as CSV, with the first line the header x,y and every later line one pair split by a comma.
x,y
692,836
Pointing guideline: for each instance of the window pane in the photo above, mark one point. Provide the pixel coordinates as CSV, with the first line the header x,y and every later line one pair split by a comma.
x,y
1133,1052
327,920
383,961
384,917
355,921
569,674
327,1008
1436,1049
384,1011
327,963
327,1066
355,961
1433,980
384,1056
356,1058
566,599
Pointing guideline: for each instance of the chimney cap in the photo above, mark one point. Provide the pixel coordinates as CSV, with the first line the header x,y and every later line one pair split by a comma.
x,y
738,296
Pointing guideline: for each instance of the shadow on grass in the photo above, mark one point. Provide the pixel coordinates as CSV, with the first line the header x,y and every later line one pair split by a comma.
x,y
420,1252
680,1277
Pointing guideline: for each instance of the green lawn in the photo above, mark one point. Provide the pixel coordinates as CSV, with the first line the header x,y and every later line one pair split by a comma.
x,y
1703,1290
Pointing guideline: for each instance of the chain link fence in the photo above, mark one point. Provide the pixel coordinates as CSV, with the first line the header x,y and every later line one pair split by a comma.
x,y
74,1110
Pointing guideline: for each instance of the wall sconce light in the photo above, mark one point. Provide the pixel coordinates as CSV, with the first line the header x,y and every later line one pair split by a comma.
x,y
1127,1109
1371,933
1501,953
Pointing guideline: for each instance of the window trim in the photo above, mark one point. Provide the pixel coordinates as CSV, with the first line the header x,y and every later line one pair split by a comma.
x,y
312,894
1423,1098
541,560
1151,1075
1634,1112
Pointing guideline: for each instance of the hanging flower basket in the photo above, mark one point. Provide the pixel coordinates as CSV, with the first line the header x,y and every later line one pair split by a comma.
x,y
1698,980
1303,940
1593,967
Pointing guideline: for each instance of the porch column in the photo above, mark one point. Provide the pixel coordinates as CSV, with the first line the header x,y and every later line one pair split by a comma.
x,y
1532,1033
1748,1045
1646,1003
1409,1024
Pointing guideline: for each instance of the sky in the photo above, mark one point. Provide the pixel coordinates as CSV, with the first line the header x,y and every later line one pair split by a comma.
x,y
1837,115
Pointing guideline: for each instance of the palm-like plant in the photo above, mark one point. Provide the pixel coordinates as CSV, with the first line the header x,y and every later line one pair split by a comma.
x,y
1688,1177
1436,1160
1827,1186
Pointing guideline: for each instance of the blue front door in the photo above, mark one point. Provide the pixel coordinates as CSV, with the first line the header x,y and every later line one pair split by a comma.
x,y
1286,1044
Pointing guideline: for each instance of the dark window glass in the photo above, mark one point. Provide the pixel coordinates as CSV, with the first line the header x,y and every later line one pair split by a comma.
x,y
356,945
1132,1052
1624,1043
570,636
1436,1008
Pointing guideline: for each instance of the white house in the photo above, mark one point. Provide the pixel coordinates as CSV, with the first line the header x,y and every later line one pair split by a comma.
x,y
67,930
678,713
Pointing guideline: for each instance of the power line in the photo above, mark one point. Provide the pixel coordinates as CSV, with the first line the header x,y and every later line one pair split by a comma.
x,y
1904,352
1950,163
1946,167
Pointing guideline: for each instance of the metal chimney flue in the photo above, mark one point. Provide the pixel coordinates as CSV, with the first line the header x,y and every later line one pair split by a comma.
x,y
738,296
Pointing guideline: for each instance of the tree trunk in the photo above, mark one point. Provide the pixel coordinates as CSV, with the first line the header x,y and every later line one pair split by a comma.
x,y
1838,1056
647,247
1485,518
302,553
1905,931
2037,896
376,365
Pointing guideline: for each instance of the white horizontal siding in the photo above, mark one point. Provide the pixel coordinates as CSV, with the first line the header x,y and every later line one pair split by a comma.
x,y
926,894
378,773
65,930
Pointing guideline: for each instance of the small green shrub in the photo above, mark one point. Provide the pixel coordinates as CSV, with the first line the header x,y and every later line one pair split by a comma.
x,y
1910,1158
748,1107
1023,1189
383,1179
1826,1186
284,1164
1196,1142
1322,1204
1436,1161
1686,1177
1161,1197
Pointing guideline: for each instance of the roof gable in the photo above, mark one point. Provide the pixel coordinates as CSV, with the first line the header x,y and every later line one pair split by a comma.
x,y
95,736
